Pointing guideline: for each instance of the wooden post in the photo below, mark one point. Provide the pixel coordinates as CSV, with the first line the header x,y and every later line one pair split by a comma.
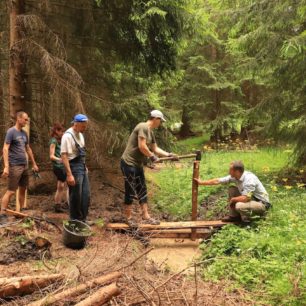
x,y
194,213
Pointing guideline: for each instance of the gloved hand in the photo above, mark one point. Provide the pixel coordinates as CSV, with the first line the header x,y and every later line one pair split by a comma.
x,y
174,156
154,159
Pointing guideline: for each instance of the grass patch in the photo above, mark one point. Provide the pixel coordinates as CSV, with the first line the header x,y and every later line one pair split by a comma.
x,y
190,144
268,258
174,195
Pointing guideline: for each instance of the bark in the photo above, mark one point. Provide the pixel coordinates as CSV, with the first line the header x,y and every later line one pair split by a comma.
x,y
101,296
185,130
80,289
17,286
16,62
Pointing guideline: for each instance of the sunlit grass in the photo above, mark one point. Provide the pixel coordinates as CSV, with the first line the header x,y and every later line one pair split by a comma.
x,y
174,183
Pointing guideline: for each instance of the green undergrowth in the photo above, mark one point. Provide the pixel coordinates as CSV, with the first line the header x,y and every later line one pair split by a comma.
x,y
267,258
174,182
190,144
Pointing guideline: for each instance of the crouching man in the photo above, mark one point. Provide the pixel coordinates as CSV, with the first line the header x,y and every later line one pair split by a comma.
x,y
248,198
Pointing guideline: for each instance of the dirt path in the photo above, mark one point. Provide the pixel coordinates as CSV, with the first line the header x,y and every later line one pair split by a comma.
x,y
106,252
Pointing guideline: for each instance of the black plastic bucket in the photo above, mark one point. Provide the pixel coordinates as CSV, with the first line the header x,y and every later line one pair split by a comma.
x,y
75,234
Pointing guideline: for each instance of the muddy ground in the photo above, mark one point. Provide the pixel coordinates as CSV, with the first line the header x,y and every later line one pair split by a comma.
x,y
104,252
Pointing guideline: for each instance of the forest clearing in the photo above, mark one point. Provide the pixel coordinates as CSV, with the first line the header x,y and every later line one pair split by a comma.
x,y
152,152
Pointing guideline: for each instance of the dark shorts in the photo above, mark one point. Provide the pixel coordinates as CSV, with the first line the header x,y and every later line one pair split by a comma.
x,y
60,174
18,177
134,184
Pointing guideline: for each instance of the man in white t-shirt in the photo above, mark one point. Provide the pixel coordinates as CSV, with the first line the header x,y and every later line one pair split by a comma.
x,y
248,198
73,155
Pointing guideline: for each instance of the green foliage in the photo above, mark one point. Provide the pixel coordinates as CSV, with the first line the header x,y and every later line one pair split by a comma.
x,y
145,33
174,183
268,257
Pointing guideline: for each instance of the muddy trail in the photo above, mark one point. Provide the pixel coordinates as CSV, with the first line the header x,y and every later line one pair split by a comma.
x,y
165,275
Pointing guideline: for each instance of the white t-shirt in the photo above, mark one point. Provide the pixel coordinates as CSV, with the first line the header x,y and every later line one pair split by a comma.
x,y
68,143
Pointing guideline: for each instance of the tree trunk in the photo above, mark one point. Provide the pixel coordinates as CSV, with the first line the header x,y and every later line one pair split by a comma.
x,y
16,62
185,130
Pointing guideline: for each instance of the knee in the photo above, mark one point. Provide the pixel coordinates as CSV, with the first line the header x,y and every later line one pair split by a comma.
x,y
240,206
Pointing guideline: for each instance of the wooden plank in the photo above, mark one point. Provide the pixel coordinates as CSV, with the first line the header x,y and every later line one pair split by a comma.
x,y
179,233
170,225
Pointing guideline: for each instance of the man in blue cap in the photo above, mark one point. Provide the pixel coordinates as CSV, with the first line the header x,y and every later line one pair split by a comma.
x,y
73,155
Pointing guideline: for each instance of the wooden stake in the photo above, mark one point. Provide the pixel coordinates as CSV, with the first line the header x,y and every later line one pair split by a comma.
x,y
194,212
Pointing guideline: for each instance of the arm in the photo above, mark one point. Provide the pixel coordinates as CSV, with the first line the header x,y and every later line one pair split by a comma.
x,y
52,154
6,159
242,198
31,156
208,182
142,145
158,151
70,177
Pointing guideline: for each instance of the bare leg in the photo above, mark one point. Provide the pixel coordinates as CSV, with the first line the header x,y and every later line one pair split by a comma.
x,y
62,192
6,199
145,212
57,197
128,211
22,192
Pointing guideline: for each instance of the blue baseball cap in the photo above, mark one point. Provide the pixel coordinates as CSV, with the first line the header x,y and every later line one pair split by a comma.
x,y
80,118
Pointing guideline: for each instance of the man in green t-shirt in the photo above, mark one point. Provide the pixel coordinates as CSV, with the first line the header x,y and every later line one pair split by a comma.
x,y
141,145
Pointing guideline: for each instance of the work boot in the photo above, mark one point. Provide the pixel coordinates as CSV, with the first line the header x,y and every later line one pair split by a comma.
x,y
231,219
58,208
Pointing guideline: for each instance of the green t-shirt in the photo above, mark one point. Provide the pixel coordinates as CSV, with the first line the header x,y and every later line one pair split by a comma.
x,y
132,155
57,152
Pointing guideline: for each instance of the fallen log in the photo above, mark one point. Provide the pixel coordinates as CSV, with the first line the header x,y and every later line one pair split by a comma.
x,y
101,296
77,290
18,286
18,214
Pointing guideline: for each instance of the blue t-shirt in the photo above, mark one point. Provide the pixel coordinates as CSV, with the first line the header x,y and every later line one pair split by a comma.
x,y
17,141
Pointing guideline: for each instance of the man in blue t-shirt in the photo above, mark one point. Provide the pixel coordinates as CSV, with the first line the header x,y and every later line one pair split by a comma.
x,y
16,151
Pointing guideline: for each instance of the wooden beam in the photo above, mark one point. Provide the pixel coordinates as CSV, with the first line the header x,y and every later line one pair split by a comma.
x,y
179,233
170,225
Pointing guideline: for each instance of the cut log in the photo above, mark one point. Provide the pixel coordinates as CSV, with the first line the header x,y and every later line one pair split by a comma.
x,y
101,296
18,286
77,290
170,225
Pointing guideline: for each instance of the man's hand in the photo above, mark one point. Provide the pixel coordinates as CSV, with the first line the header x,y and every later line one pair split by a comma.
x,y
154,159
173,156
35,168
199,182
70,180
6,172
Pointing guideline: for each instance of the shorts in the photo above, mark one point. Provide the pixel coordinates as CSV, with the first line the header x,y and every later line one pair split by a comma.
x,y
60,174
18,177
134,184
